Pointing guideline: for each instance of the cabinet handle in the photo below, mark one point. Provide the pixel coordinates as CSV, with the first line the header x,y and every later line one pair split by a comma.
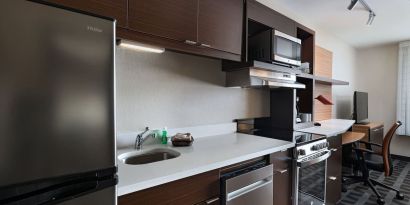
x,y
332,178
205,45
333,150
281,171
190,42
210,201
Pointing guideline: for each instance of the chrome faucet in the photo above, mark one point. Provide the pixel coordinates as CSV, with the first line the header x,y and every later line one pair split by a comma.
x,y
140,139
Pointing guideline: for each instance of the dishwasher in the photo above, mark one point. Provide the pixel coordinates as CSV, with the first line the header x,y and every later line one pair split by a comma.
x,y
249,185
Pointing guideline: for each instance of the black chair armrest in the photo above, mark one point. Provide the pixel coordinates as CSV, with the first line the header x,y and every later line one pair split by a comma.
x,y
371,143
364,150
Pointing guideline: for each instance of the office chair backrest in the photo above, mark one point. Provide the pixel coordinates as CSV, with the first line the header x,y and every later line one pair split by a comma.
x,y
388,164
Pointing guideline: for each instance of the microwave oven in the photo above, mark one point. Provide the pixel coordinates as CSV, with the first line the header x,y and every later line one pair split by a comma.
x,y
275,47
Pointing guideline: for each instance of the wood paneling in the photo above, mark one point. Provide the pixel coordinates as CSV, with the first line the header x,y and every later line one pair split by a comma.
x,y
323,67
187,191
116,9
322,112
323,62
220,24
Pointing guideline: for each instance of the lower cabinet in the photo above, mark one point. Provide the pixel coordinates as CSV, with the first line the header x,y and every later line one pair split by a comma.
x,y
334,171
282,177
199,189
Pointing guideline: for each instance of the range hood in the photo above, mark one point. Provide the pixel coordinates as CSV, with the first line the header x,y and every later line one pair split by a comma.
x,y
253,77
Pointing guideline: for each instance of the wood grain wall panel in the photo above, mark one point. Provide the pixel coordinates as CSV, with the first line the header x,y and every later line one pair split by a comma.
x,y
323,62
322,112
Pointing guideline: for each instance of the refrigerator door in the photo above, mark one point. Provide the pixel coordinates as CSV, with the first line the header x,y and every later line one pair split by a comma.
x,y
56,92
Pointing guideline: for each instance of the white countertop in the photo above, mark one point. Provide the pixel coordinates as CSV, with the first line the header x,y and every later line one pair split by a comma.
x,y
206,154
330,127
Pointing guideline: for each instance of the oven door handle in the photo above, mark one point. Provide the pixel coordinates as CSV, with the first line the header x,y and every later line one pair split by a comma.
x,y
323,157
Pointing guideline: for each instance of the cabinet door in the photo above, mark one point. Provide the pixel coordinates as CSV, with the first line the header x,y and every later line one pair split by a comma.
x,y
186,191
116,9
333,191
263,14
334,175
282,177
172,19
220,24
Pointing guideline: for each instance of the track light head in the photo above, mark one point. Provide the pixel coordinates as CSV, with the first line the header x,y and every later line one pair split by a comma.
x,y
371,18
352,4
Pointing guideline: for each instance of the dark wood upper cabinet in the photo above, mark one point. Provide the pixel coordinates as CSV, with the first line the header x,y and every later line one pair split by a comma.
x,y
116,9
220,24
172,19
263,14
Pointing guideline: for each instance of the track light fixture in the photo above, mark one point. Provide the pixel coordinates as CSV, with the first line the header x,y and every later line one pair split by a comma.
x,y
371,18
372,15
352,4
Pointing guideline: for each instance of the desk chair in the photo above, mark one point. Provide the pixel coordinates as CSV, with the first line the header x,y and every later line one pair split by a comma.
x,y
382,162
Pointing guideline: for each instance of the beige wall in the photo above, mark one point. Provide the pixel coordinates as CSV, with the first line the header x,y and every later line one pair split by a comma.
x,y
178,90
377,75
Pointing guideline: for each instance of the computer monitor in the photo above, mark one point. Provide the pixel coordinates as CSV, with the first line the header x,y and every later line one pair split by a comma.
x,y
361,110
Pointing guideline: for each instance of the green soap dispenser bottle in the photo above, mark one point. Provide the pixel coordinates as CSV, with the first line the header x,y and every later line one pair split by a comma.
x,y
164,138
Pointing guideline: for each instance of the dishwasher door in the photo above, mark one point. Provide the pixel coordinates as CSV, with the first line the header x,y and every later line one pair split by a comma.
x,y
254,186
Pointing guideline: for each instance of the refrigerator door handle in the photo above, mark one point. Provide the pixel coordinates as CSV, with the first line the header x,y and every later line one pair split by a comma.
x,y
66,190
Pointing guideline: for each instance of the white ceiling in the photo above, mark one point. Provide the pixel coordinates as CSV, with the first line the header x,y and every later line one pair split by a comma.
x,y
392,23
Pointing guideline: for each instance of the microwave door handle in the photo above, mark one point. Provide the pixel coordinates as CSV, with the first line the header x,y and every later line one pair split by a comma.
x,y
288,37
315,160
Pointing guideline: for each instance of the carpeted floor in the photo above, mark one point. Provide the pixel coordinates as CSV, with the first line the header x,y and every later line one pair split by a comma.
x,y
362,195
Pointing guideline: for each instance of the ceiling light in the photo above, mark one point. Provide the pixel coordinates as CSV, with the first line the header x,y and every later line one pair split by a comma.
x,y
352,4
140,46
371,18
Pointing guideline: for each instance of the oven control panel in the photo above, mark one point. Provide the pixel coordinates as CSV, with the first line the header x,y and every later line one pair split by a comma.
x,y
311,148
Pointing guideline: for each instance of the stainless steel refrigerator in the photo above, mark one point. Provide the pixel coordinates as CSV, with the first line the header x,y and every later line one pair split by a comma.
x,y
57,119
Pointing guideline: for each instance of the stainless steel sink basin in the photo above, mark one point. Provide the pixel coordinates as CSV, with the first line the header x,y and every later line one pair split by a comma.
x,y
155,155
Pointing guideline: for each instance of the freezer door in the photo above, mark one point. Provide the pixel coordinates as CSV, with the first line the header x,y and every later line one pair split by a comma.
x,y
56,92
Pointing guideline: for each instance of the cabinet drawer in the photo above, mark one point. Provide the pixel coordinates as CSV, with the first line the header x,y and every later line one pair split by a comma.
x,y
187,191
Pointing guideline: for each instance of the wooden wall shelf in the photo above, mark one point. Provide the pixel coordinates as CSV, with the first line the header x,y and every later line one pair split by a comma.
x,y
330,81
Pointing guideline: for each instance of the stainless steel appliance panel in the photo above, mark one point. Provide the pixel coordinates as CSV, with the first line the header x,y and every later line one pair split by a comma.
x,y
254,187
56,92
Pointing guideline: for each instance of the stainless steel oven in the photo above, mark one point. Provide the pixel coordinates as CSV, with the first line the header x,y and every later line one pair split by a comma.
x,y
276,47
310,173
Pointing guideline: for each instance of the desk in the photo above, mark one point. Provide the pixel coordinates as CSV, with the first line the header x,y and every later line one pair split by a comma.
x,y
351,137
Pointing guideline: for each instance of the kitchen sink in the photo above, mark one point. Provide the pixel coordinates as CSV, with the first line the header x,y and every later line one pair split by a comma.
x,y
154,155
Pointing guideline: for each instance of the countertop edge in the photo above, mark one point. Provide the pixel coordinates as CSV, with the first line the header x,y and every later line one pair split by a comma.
x,y
340,130
180,175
